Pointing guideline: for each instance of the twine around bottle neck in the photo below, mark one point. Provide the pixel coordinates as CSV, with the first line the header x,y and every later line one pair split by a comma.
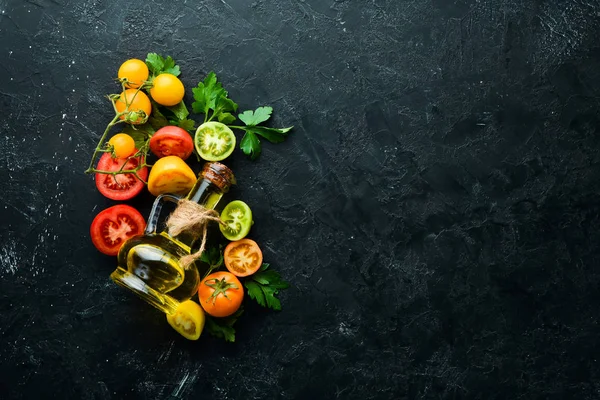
x,y
191,218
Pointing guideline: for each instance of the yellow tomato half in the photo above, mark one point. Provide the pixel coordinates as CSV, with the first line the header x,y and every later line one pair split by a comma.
x,y
171,175
188,320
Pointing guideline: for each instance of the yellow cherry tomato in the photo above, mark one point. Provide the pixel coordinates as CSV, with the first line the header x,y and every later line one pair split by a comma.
x,y
167,90
137,100
135,71
123,145
188,320
171,175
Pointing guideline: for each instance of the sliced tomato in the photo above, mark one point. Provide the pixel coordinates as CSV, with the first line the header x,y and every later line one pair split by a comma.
x,y
237,218
172,141
243,258
121,186
113,226
188,320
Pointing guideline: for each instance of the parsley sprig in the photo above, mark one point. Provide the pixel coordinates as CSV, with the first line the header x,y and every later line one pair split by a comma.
x,y
158,65
250,143
264,285
223,327
212,100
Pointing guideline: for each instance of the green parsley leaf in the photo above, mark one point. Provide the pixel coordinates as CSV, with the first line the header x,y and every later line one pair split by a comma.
x,y
273,135
256,293
158,65
223,327
157,119
213,257
261,114
250,145
210,95
187,124
264,285
206,94
226,118
179,110
170,67
140,134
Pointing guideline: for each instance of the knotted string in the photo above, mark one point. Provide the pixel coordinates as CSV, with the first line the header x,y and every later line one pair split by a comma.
x,y
191,218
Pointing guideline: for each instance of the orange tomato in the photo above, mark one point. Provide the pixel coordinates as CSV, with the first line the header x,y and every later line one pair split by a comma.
x,y
137,101
220,294
171,175
135,71
123,145
243,257
167,90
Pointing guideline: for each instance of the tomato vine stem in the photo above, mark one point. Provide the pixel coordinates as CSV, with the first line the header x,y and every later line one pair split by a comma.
x,y
118,118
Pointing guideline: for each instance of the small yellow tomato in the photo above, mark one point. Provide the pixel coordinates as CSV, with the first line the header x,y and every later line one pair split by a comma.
x,y
123,145
137,101
188,320
135,71
171,175
167,90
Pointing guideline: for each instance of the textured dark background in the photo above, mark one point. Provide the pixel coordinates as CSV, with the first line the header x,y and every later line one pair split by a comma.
x,y
435,208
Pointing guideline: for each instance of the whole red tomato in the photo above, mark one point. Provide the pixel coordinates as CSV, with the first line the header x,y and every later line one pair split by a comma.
x,y
172,141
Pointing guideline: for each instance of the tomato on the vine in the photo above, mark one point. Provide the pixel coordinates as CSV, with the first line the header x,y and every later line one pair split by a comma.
x,y
123,145
113,226
136,72
220,294
167,90
137,100
172,141
120,186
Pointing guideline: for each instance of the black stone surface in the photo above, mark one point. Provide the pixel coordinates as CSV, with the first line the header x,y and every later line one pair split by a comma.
x,y
435,209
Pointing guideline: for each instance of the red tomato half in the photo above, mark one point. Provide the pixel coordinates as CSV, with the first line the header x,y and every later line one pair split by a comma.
x,y
113,226
172,141
122,186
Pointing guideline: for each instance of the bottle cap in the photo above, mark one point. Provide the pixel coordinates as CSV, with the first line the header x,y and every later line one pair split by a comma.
x,y
219,175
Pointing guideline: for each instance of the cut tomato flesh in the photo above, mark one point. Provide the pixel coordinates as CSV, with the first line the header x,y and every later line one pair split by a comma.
x,y
243,258
214,141
113,226
120,186
237,219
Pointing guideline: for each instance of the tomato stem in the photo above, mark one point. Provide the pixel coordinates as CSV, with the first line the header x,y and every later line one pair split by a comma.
x,y
100,148
220,286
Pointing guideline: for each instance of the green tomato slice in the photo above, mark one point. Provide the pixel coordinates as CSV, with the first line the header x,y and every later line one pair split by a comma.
x,y
214,141
237,217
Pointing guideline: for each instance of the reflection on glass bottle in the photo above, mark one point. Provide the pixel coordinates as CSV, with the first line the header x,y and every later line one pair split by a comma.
x,y
149,264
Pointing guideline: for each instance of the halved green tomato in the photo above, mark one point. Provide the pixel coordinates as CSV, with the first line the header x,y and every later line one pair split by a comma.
x,y
237,217
214,141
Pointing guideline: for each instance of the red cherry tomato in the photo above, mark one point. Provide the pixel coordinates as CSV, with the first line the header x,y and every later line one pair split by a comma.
x,y
113,226
172,141
122,186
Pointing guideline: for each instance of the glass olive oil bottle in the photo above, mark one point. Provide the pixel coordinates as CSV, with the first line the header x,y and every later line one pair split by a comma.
x,y
149,265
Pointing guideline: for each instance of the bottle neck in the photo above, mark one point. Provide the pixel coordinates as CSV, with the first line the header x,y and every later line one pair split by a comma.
x,y
205,193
